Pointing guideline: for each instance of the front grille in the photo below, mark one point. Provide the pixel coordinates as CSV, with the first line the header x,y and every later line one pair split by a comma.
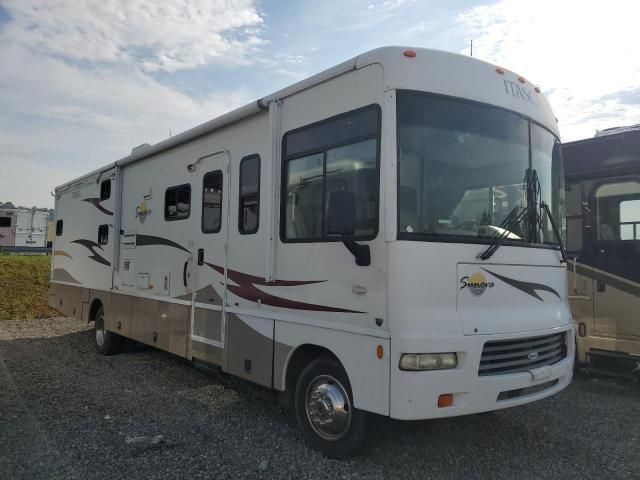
x,y
519,355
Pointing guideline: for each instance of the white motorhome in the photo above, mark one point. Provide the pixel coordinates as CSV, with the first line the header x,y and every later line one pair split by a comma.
x,y
369,240
20,227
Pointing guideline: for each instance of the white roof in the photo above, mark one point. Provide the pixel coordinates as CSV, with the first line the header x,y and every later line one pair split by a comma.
x,y
429,70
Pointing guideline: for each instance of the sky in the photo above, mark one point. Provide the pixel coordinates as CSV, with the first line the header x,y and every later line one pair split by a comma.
x,y
82,83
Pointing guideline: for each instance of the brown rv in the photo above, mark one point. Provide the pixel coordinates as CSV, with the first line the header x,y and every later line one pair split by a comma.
x,y
603,243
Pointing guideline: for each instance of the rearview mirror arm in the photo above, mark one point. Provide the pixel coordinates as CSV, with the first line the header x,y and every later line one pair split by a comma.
x,y
362,253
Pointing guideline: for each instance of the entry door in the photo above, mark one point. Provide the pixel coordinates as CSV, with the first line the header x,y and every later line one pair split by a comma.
x,y
617,258
211,200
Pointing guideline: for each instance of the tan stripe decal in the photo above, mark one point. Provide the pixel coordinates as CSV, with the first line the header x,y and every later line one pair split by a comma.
x,y
614,281
62,253
62,275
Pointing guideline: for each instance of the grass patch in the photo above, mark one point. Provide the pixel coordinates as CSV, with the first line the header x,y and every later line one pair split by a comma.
x,y
24,286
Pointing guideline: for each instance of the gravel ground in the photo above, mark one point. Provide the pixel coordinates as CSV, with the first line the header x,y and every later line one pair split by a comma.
x,y
66,412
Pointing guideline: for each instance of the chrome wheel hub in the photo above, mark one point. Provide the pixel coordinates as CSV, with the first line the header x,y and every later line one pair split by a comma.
x,y
327,406
100,331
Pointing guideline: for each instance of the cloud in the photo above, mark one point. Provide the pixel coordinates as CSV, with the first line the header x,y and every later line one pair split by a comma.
x,y
581,49
76,88
167,35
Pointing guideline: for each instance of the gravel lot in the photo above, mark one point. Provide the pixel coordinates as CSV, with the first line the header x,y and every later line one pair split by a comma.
x,y
66,412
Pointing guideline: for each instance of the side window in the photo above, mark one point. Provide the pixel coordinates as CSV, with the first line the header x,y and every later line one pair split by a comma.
x,y
212,202
5,221
630,220
618,211
105,190
177,202
59,228
249,205
103,234
339,154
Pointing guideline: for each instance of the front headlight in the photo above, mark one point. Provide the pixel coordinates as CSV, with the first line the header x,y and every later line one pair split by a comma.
x,y
428,361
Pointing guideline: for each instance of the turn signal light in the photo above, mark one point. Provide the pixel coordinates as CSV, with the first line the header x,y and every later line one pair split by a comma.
x,y
445,400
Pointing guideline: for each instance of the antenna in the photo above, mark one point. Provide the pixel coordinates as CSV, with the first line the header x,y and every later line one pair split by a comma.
x,y
471,47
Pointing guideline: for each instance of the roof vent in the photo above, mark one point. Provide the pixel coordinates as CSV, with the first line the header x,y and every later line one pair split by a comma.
x,y
139,147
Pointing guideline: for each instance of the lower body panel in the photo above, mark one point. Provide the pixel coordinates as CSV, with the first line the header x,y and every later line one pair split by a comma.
x,y
414,395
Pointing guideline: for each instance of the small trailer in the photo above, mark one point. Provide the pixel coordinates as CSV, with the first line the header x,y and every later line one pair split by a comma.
x,y
20,227
375,239
603,241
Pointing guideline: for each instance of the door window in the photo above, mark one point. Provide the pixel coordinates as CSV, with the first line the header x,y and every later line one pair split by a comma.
x,y
573,196
212,202
249,202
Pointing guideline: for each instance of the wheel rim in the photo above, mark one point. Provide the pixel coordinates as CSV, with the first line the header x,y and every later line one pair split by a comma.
x,y
100,331
327,407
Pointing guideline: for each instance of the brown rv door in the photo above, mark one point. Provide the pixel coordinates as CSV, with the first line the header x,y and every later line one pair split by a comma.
x,y
580,272
616,251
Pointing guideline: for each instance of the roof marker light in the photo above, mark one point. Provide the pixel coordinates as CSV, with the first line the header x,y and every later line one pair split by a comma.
x,y
521,79
537,89
500,70
409,53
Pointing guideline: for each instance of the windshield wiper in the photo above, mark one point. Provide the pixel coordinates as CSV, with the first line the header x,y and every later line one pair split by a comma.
x,y
514,218
556,232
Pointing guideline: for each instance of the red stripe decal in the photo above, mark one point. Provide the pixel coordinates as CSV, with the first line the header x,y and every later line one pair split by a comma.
x,y
246,289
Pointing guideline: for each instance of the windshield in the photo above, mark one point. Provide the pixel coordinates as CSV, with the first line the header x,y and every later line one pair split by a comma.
x,y
462,170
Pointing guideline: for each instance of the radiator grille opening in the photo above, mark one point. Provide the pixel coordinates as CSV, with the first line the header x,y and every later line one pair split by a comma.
x,y
523,392
519,355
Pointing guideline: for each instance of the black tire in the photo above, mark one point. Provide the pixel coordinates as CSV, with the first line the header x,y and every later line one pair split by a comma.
x,y
325,377
107,343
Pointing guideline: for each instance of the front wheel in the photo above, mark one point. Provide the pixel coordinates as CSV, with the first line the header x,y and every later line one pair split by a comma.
x,y
324,410
107,343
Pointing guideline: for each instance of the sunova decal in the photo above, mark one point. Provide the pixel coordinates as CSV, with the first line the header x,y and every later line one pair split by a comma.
x,y
476,283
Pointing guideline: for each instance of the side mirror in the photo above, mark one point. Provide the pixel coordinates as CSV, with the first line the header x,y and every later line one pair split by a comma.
x,y
341,213
341,220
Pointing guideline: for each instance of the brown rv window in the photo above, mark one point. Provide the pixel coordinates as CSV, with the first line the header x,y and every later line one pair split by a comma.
x,y
177,202
249,205
103,234
630,220
212,202
58,228
105,190
5,221
618,211
338,154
